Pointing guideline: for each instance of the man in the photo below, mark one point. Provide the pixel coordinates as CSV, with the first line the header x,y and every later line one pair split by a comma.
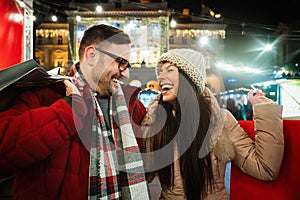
x,y
77,141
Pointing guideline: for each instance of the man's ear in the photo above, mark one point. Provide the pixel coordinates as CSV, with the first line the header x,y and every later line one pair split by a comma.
x,y
90,55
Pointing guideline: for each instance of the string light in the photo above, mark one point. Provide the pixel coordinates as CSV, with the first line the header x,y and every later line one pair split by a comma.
x,y
78,18
197,33
54,18
52,33
173,23
218,15
99,9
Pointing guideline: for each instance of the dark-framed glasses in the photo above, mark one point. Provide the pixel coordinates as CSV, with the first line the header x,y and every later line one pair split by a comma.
x,y
123,63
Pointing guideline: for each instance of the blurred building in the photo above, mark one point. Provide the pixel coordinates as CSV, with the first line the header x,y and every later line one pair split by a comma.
x,y
51,45
148,25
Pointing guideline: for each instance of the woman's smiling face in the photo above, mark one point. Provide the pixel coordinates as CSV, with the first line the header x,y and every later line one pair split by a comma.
x,y
168,80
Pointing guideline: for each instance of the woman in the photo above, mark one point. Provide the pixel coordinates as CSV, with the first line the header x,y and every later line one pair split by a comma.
x,y
189,138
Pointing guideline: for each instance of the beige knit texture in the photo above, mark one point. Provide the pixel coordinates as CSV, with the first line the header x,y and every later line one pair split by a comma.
x,y
191,62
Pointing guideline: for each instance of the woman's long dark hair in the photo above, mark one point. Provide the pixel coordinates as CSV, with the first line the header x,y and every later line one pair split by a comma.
x,y
196,172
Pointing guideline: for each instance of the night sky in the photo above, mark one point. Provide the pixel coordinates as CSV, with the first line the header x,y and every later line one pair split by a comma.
x,y
259,11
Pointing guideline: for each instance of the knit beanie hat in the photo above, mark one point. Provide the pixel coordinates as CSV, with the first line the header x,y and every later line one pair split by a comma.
x,y
191,62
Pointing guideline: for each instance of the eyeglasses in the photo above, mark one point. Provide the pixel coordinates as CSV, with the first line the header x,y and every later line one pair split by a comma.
x,y
123,63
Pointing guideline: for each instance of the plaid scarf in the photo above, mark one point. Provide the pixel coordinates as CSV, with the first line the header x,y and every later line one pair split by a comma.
x,y
116,165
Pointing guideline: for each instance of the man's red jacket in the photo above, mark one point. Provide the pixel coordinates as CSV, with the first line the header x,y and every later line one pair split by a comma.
x,y
40,146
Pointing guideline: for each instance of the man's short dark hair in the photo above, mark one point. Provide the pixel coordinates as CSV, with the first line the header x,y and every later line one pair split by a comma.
x,y
96,34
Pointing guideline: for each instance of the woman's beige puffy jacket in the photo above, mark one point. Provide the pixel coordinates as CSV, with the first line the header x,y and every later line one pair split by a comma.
x,y
260,159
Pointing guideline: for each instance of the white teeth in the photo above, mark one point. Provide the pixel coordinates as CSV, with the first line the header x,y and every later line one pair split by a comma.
x,y
117,81
167,87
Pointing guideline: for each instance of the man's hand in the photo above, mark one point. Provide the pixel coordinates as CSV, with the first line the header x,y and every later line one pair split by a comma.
x,y
71,88
74,99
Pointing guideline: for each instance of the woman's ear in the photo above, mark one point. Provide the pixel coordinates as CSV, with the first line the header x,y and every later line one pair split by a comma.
x,y
91,55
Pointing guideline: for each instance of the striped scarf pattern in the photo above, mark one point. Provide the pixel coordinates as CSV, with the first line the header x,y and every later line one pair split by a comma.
x,y
116,165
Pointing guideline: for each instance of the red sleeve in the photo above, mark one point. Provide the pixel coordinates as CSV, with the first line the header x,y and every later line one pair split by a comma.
x,y
38,123
136,109
137,115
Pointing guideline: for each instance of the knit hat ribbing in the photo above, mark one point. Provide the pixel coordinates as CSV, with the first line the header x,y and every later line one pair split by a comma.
x,y
191,62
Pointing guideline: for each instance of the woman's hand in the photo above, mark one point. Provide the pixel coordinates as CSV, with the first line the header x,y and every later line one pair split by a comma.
x,y
258,98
